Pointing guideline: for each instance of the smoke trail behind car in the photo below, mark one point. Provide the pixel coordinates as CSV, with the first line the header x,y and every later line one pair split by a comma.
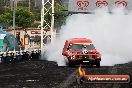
x,y
111,35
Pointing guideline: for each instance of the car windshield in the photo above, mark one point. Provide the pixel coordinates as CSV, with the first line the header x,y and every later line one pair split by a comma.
x,y
81,46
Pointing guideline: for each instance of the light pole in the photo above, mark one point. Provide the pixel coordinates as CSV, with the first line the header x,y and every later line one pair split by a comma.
x,y
14,11
52,21
42,22
46,24
11,4
29,4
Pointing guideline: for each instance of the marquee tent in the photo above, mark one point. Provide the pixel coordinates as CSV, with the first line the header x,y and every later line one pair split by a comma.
x,y
2,35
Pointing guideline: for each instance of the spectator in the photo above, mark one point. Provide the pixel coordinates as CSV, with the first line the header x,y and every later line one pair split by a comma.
x,y
12,56
37,39
8,58
27,57
1,56
18,57
31,40
23,56
22,45
36,55
4,57
33,55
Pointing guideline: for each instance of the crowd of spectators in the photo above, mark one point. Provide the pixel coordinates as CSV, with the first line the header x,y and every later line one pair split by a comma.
x,y
19,56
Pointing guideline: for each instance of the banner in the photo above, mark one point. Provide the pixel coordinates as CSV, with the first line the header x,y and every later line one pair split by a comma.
x,y
92,5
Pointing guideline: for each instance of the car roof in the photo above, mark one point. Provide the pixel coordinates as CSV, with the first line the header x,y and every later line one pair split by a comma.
x,y
79,40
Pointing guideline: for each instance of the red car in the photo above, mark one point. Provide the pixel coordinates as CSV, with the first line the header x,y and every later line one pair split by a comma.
x,y
81,51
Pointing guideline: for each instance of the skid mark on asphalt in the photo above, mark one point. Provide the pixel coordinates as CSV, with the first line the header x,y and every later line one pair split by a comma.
x,y
113,71
68,81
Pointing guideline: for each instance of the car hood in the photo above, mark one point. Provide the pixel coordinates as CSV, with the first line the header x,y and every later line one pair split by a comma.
x,y
75,51
93,52
84,52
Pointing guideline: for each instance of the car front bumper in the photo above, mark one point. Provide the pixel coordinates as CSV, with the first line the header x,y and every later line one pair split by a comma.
x,y
85,61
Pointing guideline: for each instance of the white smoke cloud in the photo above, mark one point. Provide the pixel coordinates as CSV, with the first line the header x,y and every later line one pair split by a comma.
x,y
110,33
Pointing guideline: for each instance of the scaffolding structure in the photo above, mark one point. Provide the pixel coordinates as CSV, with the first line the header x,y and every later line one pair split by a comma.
x,y
47,7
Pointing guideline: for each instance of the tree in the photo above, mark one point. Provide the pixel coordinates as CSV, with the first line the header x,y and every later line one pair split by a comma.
x,y
36,10
60,15
24,17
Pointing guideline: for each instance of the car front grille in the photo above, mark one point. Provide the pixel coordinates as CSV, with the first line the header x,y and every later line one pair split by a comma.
x,y
85,57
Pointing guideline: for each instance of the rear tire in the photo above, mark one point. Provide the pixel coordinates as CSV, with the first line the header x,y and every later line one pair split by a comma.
x,y
66,61
70,64
98,64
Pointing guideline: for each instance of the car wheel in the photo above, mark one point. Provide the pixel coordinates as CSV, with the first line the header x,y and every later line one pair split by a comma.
x,y
98,64
71,64
66,61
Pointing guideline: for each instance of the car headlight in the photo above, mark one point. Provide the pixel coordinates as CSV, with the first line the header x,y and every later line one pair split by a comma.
x,y
98,57
72,57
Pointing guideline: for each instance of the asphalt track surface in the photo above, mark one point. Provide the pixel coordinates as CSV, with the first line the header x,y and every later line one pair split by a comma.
x,y
46,74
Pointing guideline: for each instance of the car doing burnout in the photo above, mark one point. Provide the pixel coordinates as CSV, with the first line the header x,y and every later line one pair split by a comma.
x,y
81,51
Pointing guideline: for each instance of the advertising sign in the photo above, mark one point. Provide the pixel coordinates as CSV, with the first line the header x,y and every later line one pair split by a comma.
x,y
92,5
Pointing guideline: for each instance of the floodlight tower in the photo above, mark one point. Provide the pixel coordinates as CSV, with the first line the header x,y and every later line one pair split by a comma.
x,y
47,24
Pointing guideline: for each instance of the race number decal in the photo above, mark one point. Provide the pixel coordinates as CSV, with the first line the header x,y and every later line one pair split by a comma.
x,y
121,3
82,4
101,3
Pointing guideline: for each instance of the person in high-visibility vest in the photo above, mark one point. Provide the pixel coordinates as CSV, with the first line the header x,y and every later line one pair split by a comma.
x,y
22,45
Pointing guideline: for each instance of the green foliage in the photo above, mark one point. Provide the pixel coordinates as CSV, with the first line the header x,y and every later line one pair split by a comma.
x,y
6,17
2,4
35,10
24,18
34,25
60,15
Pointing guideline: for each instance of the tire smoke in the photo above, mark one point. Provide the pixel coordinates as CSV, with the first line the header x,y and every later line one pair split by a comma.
x,y
110,33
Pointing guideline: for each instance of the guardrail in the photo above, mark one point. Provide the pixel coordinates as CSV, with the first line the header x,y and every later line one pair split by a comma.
x,y
18,56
